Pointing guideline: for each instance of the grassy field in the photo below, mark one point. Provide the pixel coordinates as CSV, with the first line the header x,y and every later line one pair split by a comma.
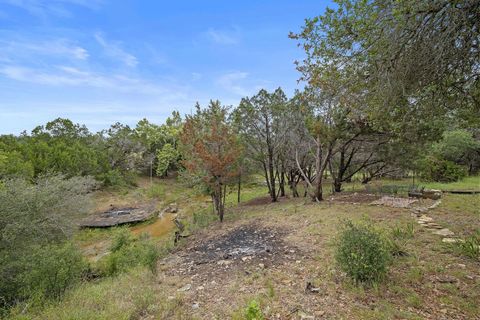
x,y
433,280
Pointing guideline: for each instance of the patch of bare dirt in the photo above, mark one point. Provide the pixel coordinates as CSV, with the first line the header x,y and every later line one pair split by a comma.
x,y
354,197
394,202
236,248
263,201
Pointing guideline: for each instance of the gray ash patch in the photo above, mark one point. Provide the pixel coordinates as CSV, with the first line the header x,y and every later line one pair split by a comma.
x,y
243,246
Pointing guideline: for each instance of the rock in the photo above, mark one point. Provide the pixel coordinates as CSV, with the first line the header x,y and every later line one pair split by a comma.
x,y
444,232
261,265
432,194
432,225
224,262
185,288
447,279
304,316
435,204
172,208
450,240
425,218
195,305
320,313
311,288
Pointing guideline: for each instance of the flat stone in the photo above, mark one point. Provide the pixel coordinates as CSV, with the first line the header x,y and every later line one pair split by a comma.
x,y
118,216
185,288
432,225
435,204
451,240
425,218
224,262
444,232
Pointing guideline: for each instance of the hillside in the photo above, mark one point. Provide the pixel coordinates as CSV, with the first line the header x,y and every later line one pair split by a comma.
x,y
281,255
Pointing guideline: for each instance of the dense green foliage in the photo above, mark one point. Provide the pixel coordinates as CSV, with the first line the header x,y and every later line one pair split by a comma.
x,y
114,156
362,253
35,222
451,158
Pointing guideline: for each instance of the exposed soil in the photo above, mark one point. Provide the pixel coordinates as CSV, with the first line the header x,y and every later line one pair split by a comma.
x,y
235,248
354,197
263,201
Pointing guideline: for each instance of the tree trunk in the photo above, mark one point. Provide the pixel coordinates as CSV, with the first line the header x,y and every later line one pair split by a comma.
x,y
271,171
282,184
318,192
239,187
218,199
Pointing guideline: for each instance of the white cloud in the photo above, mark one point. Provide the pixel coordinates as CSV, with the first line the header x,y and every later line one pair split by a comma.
x,y
223,37
70,76
114,50
58,8
230,82
57,47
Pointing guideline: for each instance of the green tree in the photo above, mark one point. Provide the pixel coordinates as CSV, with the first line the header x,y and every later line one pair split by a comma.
x,y
261,120
459,147
408,58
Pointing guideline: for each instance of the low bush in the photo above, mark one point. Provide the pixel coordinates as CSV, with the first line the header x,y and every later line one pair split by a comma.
x,y
440,170
362,253
39,273
128,252
54,269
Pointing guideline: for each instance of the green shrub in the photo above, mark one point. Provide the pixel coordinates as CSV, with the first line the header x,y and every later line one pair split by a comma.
x,y
112,178
53,270
434,169
253,311
362,253
35,222
39,273
128,252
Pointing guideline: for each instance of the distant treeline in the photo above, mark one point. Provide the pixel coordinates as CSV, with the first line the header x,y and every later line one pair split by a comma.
x,y
113,156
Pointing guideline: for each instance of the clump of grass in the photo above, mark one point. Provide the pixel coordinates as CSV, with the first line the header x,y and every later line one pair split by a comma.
x,y
399,237
470,246
128,252
362,253
156,191
203,218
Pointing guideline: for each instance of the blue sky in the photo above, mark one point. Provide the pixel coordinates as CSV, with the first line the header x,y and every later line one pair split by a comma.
x,y
102,61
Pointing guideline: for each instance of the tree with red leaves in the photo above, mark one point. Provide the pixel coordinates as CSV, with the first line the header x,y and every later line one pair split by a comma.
x,y
211,150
